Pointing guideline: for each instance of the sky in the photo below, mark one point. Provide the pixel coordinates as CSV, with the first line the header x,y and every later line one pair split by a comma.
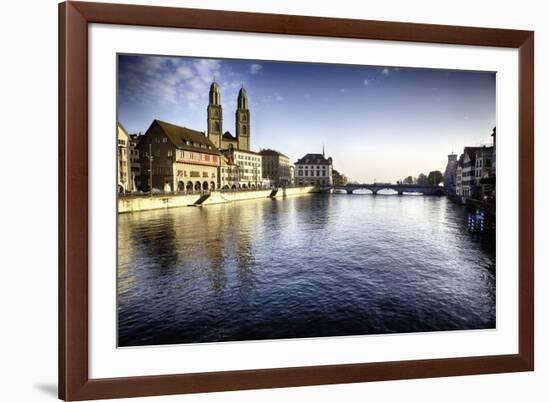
x,y
379,123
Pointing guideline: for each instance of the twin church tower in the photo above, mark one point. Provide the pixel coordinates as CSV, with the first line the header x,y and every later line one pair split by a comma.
x,y
215,133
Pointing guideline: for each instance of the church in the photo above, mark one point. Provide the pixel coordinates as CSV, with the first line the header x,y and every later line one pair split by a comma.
x,y
175,158
240,167
241,140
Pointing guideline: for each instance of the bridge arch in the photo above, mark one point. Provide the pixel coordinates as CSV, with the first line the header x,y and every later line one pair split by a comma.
x,y
362,191
387,191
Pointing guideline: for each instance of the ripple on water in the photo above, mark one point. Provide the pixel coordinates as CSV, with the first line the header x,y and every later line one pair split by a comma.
x,y
301,267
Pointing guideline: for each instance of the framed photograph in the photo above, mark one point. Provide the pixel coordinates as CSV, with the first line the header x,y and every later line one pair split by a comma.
x,y
260,200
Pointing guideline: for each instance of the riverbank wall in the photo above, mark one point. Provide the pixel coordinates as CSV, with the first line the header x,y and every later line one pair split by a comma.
x,y
146,203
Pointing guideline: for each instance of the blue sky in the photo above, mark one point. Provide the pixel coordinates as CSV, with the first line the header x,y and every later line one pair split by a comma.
x,y
377,122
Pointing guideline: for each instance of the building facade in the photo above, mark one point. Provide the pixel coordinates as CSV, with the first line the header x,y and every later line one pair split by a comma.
x,y
449,177
276,168
314,169
458,177
134,160
468,172
246,165
175,158
123,165
229,174
475,173
484,176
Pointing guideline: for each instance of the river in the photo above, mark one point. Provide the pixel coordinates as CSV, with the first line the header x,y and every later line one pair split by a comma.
x,y
310,266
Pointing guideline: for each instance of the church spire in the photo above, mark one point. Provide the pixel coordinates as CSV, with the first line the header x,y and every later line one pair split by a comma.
x,y
214,115
242,121
214,95
242,99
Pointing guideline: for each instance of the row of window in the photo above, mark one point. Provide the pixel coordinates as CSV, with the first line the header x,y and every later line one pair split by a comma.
x,y
164,140
313,173
248,157
312,167
195,174
480,162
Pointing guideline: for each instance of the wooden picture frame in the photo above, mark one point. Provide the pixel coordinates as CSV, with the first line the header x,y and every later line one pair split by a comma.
x,y
74,381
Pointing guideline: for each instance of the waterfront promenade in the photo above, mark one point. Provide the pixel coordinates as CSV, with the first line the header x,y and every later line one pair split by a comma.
x,y
135,203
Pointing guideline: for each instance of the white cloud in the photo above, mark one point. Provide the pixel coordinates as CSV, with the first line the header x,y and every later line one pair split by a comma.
x,y
255,68
386,71
207,69
170,80
342,90
366,82
279,98
185,72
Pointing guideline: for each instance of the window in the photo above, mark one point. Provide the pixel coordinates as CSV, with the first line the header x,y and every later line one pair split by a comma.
x,y
169,153
164,139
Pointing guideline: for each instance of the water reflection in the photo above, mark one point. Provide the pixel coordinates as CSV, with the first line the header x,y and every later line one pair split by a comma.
x,y
307,266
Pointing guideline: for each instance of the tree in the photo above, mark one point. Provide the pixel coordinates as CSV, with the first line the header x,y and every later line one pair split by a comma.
x,y
422,179
408,180
435,177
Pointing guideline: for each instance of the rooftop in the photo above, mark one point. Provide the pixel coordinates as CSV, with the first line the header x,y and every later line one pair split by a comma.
x,y
314,159
271,152
186,138
228,136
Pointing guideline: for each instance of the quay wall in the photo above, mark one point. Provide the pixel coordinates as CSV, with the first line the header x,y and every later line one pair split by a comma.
x,y
293,191
145,203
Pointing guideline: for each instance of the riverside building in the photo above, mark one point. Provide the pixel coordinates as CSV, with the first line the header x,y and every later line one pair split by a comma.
x,y
175,158
123,166
449,177
476,171
314,169
276,168
246,167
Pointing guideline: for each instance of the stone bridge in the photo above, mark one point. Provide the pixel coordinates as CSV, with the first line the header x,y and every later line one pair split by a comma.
x,y
399,188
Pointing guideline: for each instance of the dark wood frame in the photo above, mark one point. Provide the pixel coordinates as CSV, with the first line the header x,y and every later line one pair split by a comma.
x,y
74,383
